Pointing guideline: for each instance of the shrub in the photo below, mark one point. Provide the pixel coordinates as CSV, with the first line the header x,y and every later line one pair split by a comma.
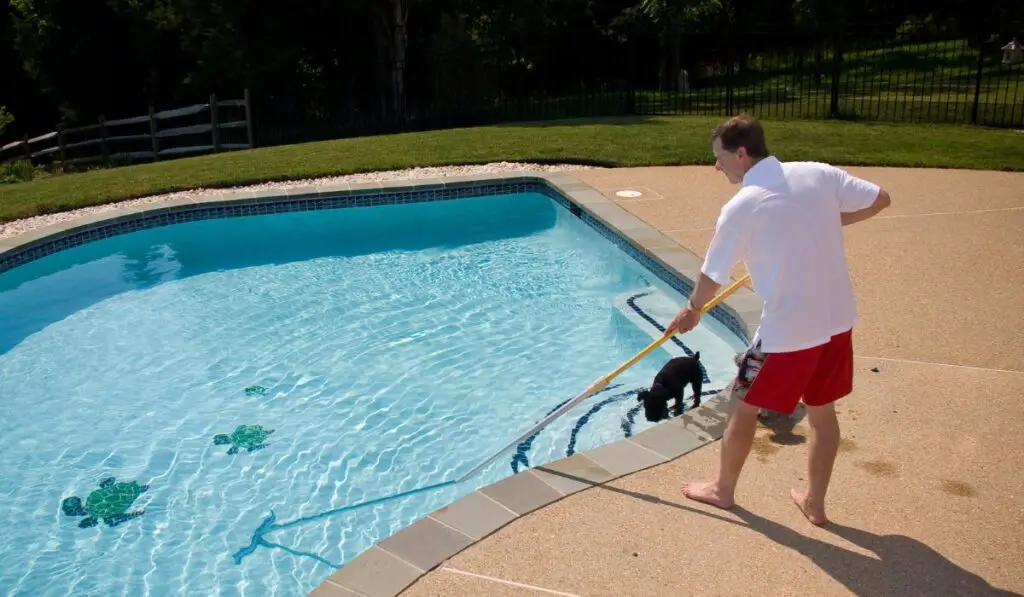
x,y
5,119
17,171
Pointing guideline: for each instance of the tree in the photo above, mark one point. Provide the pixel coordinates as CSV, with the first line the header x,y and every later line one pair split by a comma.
x,y
672,19
391,19
5,119
75,51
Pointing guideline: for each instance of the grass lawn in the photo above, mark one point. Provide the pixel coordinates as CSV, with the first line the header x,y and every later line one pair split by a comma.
x,y
612,142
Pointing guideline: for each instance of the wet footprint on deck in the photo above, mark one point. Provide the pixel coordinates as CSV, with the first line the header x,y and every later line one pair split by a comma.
x,y
878,468
958,488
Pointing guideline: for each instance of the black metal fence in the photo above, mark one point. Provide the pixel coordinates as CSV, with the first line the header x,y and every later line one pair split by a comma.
x,y
855,76
940,81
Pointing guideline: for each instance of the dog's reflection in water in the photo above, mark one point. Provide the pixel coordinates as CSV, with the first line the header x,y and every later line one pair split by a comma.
x,y
671,383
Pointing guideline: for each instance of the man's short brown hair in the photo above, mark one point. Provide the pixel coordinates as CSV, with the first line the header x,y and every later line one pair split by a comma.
x,y
742,131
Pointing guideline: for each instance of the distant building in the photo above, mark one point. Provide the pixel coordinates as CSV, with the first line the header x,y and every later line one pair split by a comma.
x,y
1013,52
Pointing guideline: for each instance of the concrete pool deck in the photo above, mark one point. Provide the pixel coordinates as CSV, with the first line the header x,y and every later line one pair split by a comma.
x,y
928,491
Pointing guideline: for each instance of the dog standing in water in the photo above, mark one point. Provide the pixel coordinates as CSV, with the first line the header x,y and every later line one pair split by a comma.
x,y
670,383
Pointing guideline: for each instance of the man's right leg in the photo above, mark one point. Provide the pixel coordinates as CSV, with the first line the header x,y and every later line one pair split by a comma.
x,y
736,444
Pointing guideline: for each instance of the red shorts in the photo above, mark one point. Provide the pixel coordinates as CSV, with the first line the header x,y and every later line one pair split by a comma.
x,y
819,375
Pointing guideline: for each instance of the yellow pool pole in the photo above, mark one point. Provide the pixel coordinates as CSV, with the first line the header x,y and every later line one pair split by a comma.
x,y
602,382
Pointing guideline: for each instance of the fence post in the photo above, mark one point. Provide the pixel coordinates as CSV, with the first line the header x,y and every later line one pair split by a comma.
x,y
729,84
28,148
152,133
213,122
104,150
837,65
977,84
63,144
630,87
248,118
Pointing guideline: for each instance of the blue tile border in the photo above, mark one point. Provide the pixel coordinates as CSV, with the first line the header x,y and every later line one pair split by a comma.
x,y
180,214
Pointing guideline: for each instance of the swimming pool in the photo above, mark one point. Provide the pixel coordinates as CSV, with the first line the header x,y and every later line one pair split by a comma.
x,y
385,346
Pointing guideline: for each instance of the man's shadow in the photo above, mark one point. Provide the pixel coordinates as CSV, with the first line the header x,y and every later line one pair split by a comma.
x,y
903,566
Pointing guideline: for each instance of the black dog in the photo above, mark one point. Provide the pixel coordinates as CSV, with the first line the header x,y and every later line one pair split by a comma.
x,y
670,383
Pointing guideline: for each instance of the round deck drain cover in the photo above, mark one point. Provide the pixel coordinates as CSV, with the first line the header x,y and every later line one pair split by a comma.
x,y
628,193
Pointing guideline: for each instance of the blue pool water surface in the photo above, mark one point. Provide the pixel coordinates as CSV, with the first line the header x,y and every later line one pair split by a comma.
x,y
397,346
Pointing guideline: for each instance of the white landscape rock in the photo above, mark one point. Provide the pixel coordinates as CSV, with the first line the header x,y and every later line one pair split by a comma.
x,y
19,226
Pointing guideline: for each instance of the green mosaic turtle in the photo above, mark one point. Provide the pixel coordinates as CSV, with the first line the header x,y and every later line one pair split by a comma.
x,y
109,503
250,437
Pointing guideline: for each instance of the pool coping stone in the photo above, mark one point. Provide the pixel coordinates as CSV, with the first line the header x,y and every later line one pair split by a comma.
x,y
395,563
376,573
476,515
522,493
573,474
426,542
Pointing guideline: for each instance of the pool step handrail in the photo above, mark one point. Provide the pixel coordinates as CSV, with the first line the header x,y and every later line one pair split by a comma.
x,y
601,383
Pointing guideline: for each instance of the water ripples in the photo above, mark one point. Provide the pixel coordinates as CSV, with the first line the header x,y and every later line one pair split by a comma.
x,y
385,372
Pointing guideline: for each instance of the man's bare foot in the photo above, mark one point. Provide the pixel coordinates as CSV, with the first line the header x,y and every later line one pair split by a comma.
x,y
709,493
814,512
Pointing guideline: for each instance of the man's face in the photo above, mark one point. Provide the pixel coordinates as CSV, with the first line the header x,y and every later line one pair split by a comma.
x,y
734,165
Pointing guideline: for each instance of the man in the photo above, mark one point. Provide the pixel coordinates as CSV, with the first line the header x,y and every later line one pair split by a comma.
x,y
785,224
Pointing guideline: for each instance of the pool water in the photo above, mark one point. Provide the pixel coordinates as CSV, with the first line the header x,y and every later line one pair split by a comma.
x,y
386,347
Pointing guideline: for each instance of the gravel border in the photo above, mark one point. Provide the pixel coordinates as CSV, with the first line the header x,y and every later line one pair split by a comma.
x,y
17,227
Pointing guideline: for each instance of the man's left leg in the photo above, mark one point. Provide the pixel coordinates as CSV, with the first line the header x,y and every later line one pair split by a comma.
x,y
821,459
832,380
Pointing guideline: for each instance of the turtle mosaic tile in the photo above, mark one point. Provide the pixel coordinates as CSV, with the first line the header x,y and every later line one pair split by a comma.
x,y
110,503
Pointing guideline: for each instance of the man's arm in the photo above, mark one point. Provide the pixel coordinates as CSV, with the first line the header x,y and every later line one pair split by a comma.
x,y
705,291
881,202
689,316
858,199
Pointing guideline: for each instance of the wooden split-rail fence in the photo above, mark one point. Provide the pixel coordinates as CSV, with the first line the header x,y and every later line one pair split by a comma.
x,y
119,140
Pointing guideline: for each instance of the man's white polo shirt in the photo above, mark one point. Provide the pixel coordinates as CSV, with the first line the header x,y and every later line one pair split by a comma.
x,y
784,224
